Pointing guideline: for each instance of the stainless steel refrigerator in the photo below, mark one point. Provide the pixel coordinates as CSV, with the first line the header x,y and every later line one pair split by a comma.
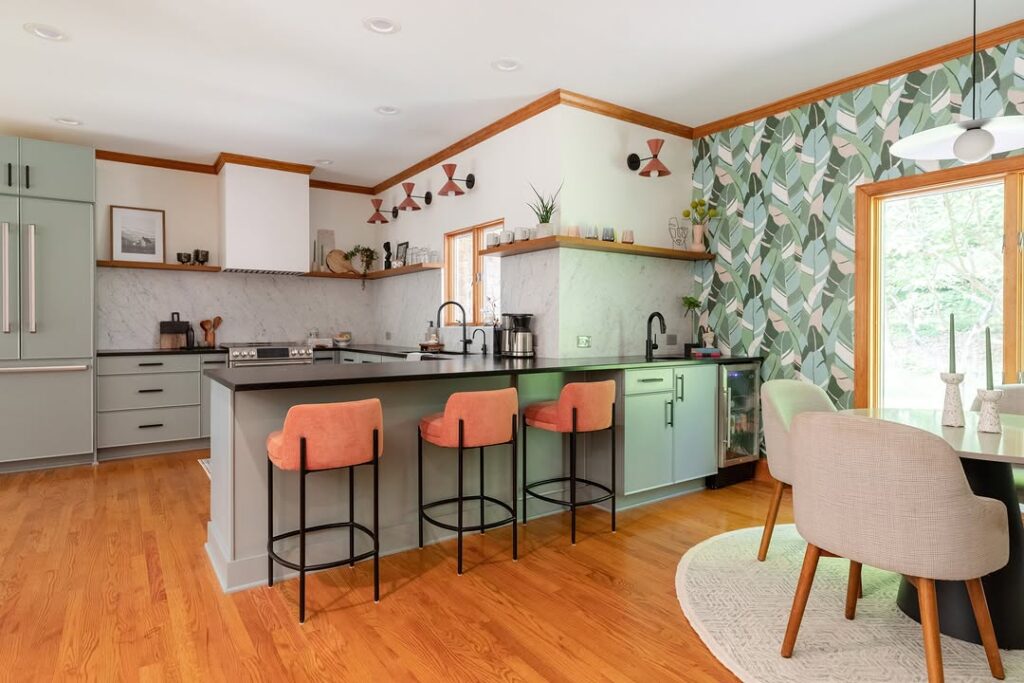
x,y
739,422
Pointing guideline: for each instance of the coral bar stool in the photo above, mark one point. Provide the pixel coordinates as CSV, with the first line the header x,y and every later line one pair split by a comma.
x,y
472,419
581,407
318,438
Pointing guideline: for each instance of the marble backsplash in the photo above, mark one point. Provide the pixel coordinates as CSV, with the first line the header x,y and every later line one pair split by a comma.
x,y
130,304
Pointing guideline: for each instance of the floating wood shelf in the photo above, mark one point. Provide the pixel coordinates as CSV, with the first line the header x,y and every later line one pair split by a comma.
x,y
380,274
565,242
157,266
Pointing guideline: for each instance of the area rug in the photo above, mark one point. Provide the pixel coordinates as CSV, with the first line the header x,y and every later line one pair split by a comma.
x,y
739,607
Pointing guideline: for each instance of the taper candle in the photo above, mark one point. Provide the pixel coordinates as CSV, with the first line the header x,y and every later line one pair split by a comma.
x,y
952,345
988,359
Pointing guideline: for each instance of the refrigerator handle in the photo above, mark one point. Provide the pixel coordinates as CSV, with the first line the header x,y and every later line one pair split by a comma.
x,y
5,255
32,278
728,417
681,387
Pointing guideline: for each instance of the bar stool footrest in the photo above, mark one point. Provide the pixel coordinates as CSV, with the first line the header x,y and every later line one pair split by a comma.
x,y
608,495
323,565
475,527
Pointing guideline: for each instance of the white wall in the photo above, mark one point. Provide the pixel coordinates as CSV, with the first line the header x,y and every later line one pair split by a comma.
x,y
345,213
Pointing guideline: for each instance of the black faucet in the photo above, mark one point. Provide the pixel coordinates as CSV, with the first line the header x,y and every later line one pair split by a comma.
x,y
651,344
465,340
483,345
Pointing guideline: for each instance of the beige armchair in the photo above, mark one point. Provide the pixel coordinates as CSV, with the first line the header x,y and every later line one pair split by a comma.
x,y
896,498
781,401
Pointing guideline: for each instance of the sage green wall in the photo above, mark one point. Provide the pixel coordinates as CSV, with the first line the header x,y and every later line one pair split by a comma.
x,y
782,284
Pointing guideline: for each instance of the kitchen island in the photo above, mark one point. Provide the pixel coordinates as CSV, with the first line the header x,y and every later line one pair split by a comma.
x,y
249,403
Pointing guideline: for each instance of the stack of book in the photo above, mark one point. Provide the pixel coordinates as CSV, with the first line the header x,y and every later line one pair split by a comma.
x,y
705,352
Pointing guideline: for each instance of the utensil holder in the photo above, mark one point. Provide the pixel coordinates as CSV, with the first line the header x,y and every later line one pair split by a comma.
x,y
953,406
988,418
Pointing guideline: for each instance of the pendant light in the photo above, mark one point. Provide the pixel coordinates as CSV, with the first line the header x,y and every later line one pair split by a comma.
x,y
968,141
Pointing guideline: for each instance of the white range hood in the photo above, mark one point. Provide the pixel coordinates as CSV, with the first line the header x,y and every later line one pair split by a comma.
x,y
264,220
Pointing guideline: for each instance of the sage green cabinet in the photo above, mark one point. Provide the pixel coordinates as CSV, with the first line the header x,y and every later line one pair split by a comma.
x,y
56,170
695,431
649,438
210,361
57,266
10,279
46,409
10,165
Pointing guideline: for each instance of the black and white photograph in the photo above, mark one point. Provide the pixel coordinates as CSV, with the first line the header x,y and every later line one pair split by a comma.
x,y
137,234
401,249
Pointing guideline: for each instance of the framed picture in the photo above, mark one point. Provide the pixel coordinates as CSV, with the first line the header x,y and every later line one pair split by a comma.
x,y
400,251
137,234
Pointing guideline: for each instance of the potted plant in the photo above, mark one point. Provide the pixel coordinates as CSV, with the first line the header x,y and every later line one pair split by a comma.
x,y
544,208
692,305
367,255
700,214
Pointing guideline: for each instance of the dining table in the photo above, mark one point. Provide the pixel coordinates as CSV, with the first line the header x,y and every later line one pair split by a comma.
x,y
987,460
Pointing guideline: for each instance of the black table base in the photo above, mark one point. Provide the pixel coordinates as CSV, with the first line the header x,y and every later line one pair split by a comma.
x,y
1004,589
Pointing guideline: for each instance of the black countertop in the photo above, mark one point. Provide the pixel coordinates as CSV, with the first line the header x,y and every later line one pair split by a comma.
x,y
379,349
151,352
451,367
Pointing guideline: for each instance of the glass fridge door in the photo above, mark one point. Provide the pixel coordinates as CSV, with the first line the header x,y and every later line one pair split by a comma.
x,y
741,414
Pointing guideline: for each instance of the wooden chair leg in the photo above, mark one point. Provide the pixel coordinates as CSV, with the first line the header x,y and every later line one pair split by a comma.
x,y
853,589
988,635
803,591
930,629
769,522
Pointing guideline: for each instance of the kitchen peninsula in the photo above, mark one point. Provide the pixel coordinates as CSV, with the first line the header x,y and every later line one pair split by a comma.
x,y
247,404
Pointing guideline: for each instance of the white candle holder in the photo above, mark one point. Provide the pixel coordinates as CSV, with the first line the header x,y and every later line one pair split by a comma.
x,y
988,418
953,406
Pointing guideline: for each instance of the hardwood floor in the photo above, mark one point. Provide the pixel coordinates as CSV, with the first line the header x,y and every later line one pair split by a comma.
x,y
103,576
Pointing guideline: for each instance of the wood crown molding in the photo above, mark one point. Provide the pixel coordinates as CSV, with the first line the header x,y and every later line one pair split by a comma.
x,y
339,187
260,162
922,60
615,111
157,162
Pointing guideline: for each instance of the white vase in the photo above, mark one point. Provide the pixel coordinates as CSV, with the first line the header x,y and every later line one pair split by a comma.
x,y
544,230
988,418
953,406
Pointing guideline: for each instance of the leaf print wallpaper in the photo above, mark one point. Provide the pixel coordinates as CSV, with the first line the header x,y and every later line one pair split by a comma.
x,y
782,285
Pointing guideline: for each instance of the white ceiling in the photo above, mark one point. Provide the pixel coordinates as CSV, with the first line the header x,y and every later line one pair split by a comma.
x,y
299,80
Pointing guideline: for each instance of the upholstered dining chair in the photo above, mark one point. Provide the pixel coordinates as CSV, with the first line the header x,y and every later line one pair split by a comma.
x,y
781,401
893,497
1012,403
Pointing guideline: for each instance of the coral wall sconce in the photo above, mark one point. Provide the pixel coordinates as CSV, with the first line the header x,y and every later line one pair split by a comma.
x,y
379,217
450,188
654,167
409,203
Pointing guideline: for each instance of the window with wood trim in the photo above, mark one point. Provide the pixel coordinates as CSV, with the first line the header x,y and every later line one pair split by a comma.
x,y
470,278
926,246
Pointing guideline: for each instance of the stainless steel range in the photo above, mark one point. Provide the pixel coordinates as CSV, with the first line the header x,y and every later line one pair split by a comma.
x,y
245,354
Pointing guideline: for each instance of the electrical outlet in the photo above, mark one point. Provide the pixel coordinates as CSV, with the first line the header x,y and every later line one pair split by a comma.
x,y
671,340
583,341
387,336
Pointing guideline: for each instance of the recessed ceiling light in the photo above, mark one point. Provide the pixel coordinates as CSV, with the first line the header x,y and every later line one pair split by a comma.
x,y
381,25
506,65
67,121
322,162
45,32
387,110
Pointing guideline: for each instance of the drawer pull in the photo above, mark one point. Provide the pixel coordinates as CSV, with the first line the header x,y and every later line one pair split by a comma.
x,y
349,360
151,391
651,379
213,362
158,424
150,365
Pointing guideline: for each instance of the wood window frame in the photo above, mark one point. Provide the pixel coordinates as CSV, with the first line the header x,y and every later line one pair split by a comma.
x,y
476,315
867,287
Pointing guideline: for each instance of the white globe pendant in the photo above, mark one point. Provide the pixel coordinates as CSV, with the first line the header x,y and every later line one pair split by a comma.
x,y
974,144
967,141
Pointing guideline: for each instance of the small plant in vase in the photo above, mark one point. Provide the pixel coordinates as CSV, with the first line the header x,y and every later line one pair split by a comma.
x,y
367,255
544,208
700,214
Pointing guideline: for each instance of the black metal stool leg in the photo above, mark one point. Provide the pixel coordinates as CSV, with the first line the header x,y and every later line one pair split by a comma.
x,y
351,515
376,516
270,521
460,496
515,524
419,455
612,487
525,480
302,530
481,490
572,475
